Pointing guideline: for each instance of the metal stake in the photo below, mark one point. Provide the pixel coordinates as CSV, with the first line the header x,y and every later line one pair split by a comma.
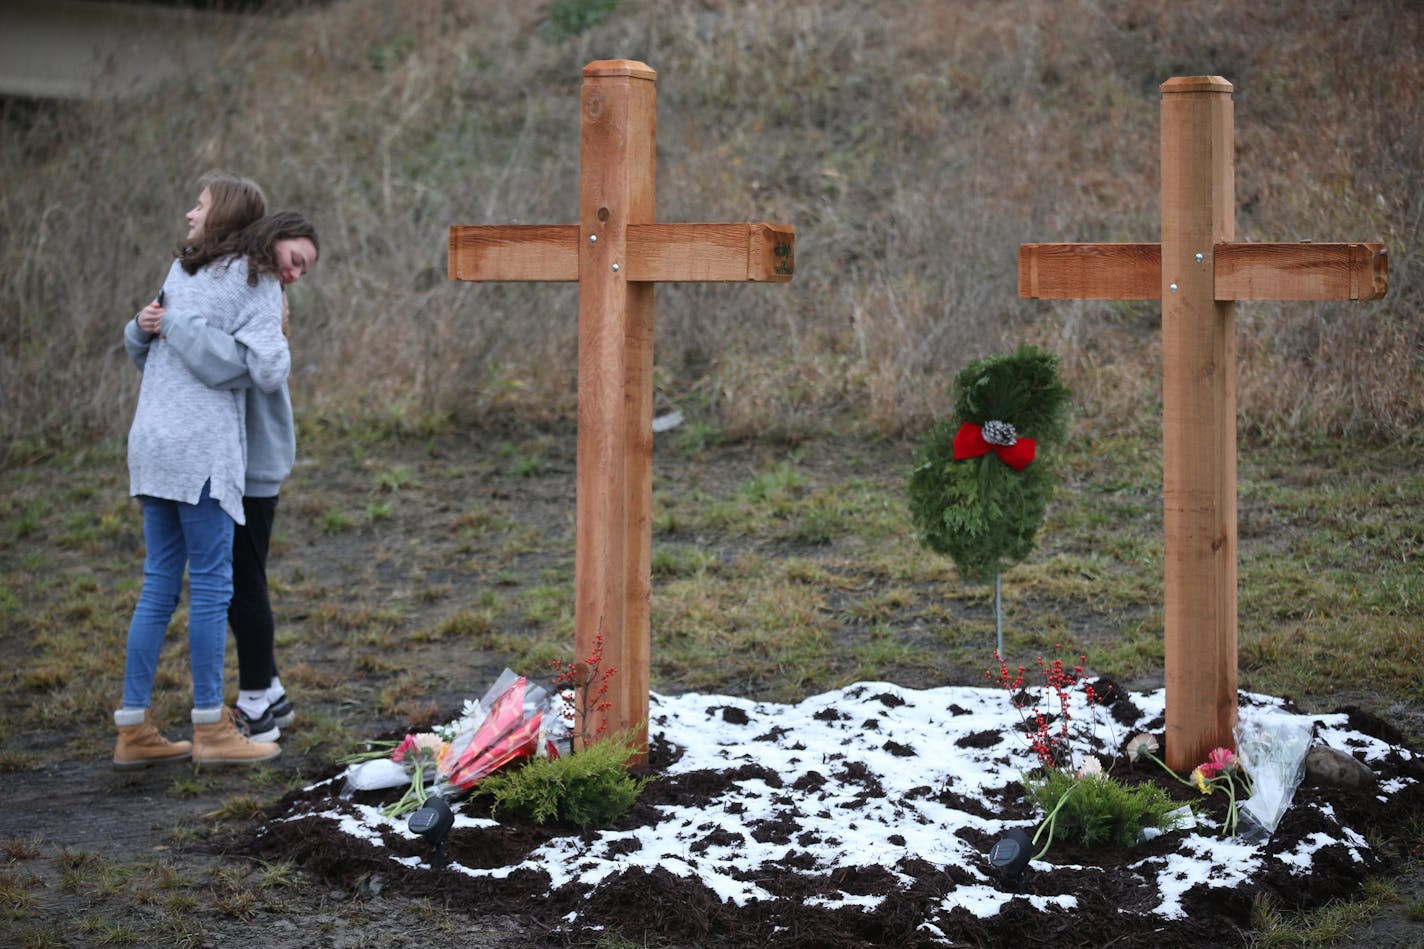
x,y
999,614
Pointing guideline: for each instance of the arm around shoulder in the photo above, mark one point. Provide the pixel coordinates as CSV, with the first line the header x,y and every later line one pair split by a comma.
x,y
268,358
215,357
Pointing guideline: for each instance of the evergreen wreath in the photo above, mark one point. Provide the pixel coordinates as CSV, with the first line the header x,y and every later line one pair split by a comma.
x,y
982,480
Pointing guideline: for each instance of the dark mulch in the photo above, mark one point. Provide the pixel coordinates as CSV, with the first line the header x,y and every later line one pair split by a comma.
x,y
659,906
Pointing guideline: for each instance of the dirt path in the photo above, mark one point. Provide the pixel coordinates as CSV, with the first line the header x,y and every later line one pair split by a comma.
x,y
82,818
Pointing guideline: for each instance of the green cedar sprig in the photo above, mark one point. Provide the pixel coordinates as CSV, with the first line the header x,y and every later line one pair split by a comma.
x,y
1095,810
590,788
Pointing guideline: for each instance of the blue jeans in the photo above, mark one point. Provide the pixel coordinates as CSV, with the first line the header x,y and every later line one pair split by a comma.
x,y
198,536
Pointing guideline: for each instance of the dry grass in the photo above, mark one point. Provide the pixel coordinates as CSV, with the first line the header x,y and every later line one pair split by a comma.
x,y
913,151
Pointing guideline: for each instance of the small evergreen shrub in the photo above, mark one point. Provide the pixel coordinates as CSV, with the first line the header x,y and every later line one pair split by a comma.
x,y
589,788
1095,809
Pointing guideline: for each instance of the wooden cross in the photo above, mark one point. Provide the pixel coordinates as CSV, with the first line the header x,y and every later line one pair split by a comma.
x,y
617,253
1199,271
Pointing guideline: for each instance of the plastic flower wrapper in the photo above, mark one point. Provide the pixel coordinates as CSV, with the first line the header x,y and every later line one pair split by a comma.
x,y
507,724
510,731
375,774
388,764
1272,750
459,732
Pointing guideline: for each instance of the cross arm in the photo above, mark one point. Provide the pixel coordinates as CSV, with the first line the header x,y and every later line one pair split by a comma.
x,y
720,252
1243,271
1249,271
656,252
1090,271
514,252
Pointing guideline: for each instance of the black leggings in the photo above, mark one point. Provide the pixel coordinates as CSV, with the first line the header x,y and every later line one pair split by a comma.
x,y
250,613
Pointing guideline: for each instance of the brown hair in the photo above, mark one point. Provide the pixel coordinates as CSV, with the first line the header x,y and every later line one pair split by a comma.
x,y
237,202
257,242
234,203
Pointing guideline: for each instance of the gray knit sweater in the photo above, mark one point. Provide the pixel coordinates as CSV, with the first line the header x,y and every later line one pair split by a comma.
x,y
185,433
220,361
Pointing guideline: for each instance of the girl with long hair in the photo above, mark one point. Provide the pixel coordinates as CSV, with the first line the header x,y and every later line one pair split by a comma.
x,y
187,464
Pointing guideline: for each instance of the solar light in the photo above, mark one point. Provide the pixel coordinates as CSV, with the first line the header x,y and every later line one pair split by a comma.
x,y
433,822
1010,855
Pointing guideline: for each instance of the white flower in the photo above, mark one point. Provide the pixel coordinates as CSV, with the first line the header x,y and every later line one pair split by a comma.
x,y
428,741
1141,746
472,715
1091,767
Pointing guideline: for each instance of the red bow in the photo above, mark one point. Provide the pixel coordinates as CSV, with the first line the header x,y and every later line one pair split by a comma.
x,y
970,443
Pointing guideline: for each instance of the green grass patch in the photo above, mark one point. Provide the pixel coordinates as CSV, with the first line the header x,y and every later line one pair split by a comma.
x,y
399,478
1330,925
476,627
788,578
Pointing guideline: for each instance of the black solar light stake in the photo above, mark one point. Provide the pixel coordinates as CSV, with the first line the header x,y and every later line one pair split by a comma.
x,y
433,822
1011,854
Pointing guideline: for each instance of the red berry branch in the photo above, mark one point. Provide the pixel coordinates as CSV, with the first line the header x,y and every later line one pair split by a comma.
x,y
589,682
1059,681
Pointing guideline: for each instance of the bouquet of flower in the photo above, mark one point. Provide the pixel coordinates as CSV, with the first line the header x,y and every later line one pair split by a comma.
x,y
513,720
1222,770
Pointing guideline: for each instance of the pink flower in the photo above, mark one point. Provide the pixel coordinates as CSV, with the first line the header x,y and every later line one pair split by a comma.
x,y
406,746
424,745
1219,761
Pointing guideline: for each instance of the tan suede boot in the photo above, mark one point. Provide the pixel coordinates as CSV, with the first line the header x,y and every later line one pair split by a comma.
x,y
216,741
140,744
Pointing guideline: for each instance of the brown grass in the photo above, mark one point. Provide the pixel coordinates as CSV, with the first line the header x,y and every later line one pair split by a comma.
x,y
914,146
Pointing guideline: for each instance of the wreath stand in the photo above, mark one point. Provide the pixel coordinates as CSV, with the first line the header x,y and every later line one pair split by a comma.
x,y
983,478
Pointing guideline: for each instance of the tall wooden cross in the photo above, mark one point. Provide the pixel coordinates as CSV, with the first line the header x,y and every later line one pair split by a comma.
x,y
1199,271
617,253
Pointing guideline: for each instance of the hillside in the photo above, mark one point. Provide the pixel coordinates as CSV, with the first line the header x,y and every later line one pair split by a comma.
x,y
913,146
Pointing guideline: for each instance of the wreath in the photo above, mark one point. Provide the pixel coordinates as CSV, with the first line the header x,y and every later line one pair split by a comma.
x,y
982,480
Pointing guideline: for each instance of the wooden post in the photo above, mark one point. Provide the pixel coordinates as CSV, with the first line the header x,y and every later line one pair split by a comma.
x,y
617,253
1198,419
612,575
1198,271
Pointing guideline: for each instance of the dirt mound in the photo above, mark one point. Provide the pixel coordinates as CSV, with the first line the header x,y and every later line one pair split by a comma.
x,y
1077,896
